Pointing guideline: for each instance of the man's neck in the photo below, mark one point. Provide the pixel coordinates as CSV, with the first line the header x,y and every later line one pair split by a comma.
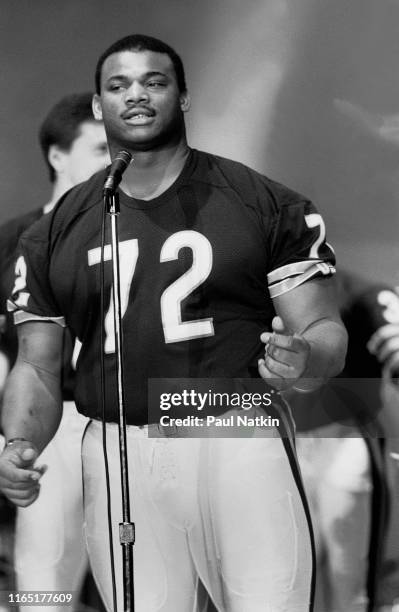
x,y
151,173
59,188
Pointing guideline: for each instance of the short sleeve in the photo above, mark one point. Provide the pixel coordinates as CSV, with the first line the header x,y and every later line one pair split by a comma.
x,y
32,298
299,251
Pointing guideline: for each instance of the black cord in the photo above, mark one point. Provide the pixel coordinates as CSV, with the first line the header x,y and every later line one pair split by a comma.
x,y
104,428
281,411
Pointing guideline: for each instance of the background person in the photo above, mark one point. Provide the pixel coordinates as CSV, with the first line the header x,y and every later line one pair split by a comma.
x,y
49,549
349,467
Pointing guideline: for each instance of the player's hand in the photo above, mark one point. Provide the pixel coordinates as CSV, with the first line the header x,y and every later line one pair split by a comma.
x,y
19,478
384,345
286,356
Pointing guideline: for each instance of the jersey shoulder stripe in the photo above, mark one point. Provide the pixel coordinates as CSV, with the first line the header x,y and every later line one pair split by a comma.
x,y
313,270
21,316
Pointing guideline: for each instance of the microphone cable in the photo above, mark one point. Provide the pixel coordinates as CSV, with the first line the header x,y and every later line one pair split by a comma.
x,y
104,424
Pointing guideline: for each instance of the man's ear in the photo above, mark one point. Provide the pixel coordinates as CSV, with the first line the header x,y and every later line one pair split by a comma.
x,y
55,158
97,110
185,101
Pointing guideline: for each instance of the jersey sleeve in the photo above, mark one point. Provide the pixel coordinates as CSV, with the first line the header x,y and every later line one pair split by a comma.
x,y
32,298
299,251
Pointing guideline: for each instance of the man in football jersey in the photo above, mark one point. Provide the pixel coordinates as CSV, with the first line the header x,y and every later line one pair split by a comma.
x,y
342,464
49,549
224,274
379,306
349,467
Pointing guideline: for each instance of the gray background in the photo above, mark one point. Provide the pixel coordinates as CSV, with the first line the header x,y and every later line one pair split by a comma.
x,y
263,75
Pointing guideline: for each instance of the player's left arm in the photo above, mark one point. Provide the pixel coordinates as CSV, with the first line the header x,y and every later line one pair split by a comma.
x,y
309,341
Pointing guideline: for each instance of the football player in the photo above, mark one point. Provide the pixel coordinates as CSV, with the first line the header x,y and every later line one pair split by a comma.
x,y
224,274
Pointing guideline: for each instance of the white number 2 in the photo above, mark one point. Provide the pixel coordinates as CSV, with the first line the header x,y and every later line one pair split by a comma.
x,y
175,329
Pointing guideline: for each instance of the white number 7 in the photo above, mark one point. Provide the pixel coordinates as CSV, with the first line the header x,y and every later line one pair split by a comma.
x,y
128,254
315,220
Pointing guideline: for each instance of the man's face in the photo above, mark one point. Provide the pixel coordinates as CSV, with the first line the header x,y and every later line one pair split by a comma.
x,y
87,155
140,101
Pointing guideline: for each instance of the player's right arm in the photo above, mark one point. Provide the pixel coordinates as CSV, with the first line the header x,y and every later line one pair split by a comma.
x,y
32,408
4,369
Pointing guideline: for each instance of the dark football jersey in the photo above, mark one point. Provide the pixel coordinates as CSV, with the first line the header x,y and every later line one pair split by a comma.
x,y
199,266
10,233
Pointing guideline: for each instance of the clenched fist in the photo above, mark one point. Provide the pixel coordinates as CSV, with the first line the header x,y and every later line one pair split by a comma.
x,y
19,478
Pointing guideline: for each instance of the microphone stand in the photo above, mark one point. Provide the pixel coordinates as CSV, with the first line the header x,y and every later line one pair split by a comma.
x,y
126,528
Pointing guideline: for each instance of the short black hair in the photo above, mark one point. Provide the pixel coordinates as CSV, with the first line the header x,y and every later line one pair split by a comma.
x,y
62,124
140,42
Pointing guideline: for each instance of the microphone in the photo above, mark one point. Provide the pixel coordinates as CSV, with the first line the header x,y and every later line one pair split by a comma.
x,y
118,167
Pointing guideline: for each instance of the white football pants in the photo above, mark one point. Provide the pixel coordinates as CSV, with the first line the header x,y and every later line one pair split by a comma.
x,y
222,510
50,553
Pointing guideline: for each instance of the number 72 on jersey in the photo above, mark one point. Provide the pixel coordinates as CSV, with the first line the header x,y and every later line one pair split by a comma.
x,y
175,330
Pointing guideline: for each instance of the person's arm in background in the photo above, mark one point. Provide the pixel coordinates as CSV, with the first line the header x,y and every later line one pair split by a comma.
x,y
4,364
309,341
32,408
384,345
